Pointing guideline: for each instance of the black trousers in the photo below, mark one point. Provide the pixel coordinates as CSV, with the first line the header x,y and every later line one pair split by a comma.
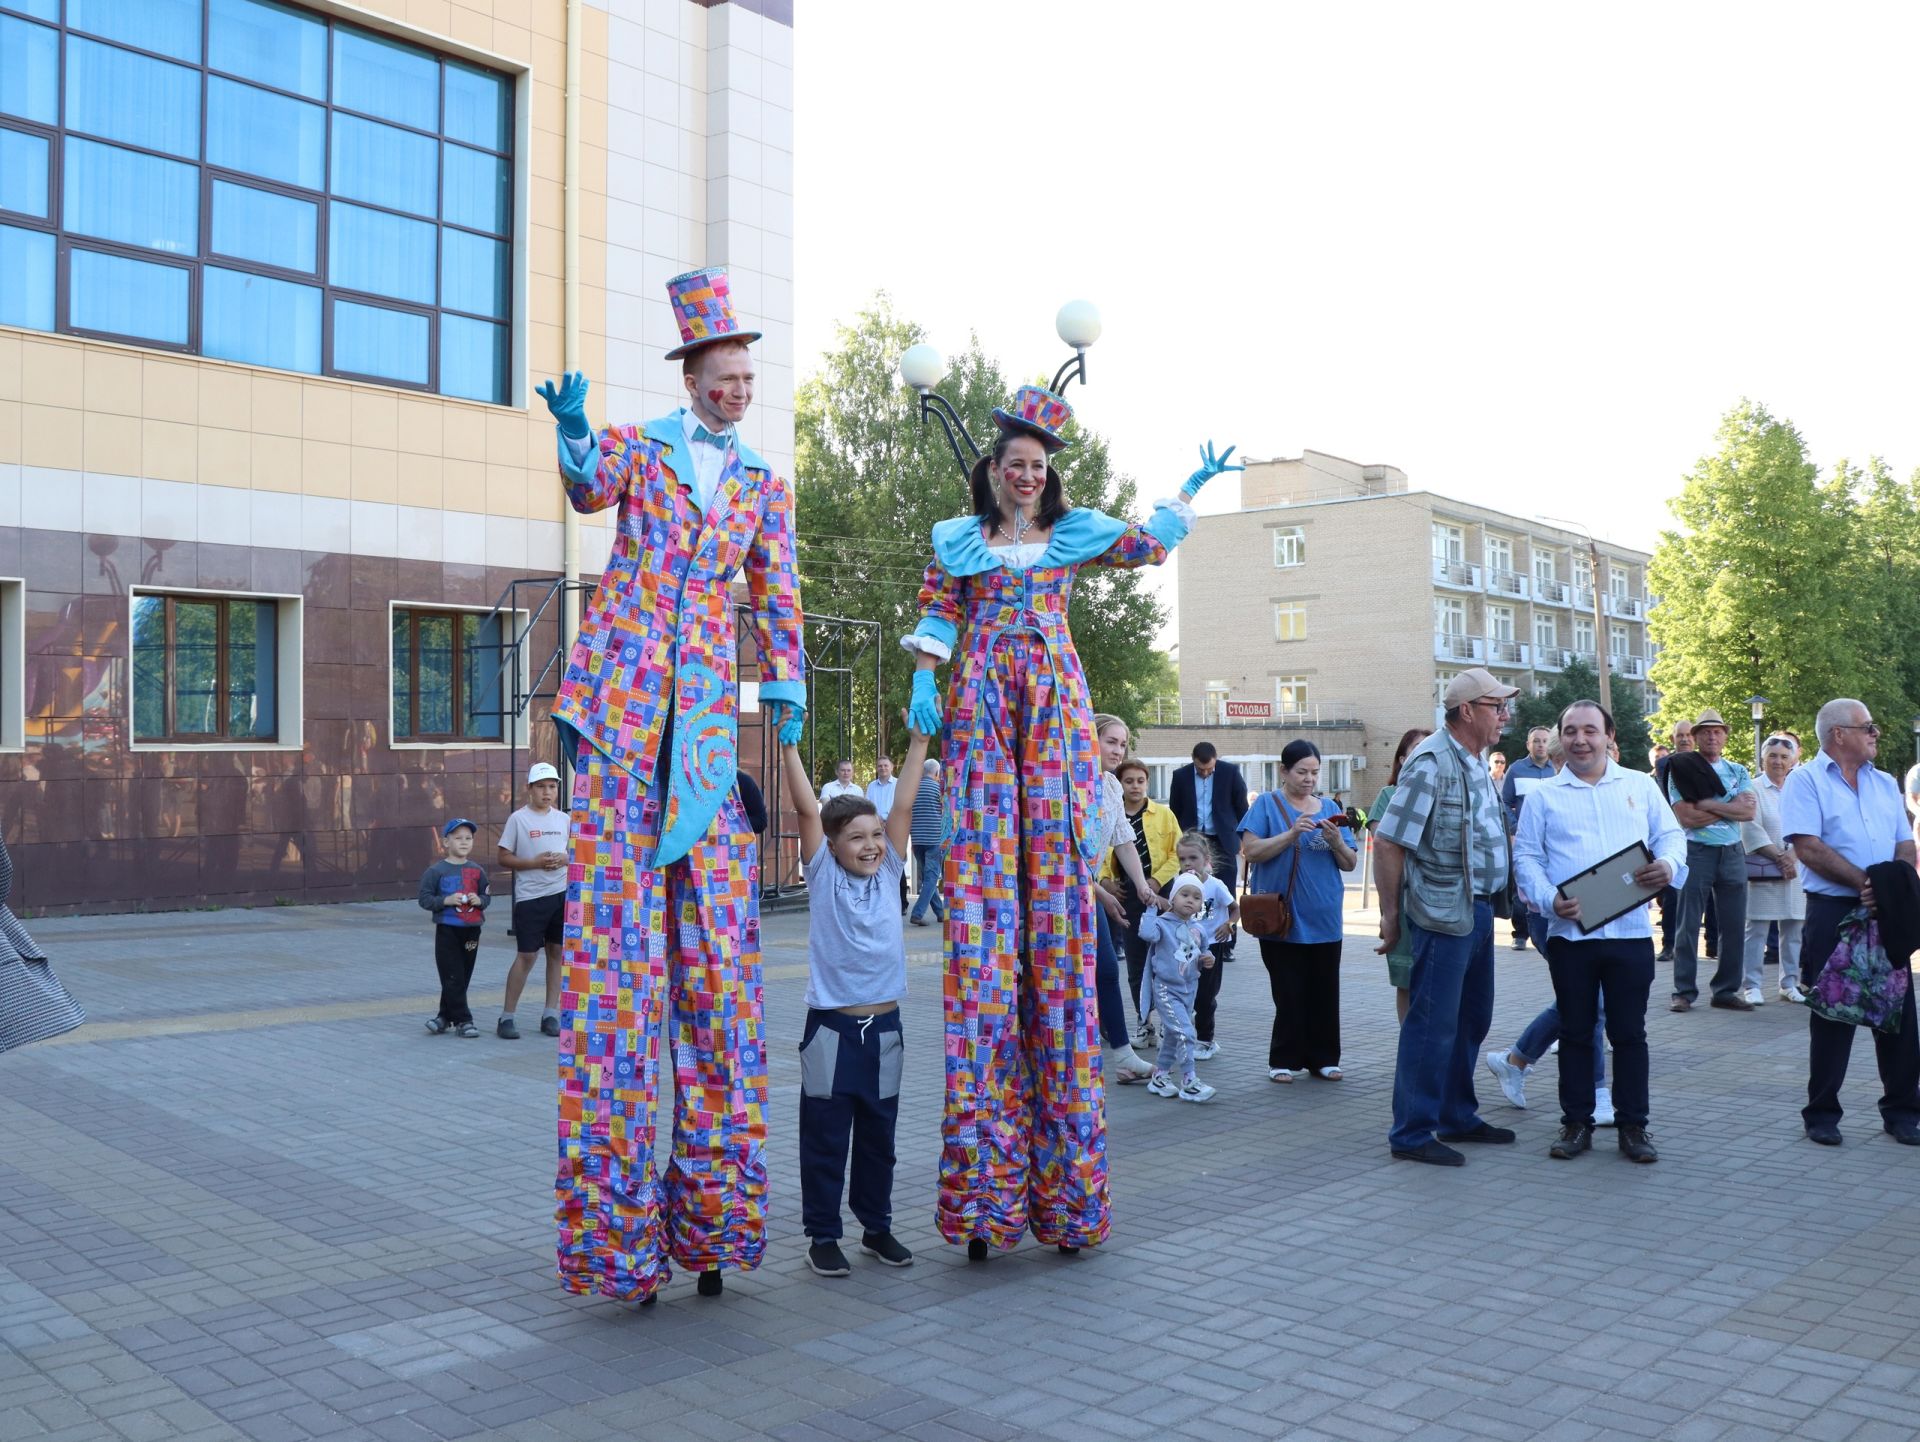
x,y
1830,1043
1305,977
849,1102
455,950
1206,998
1583,972
1136,950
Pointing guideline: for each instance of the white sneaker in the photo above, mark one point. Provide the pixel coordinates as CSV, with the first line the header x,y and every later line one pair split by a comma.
x,y
1754,996
1163,1085
1196,1091
1206,1050
1147,1036
1512,1079
1602,1107
1791,992
1281,1074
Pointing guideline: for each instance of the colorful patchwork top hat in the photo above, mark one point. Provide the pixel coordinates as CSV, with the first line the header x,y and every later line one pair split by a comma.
x,y
703,306
1038,411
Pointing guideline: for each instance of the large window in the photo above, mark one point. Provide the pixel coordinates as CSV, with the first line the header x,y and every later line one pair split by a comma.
x,y
446,676
1449,544
1449,616
1546,634
1289,546
1289,621
205,669
247,180
1290,695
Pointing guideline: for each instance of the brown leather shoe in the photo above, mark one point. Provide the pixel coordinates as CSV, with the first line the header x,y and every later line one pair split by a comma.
x,y
1736,1002
1680,1003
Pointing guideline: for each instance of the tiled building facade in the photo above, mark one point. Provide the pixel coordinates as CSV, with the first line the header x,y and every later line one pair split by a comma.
x,y
250,537
1337,603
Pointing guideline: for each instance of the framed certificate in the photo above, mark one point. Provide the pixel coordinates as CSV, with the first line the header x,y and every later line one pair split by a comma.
x,y
1606,890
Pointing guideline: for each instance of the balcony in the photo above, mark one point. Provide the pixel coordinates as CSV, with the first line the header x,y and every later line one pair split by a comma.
x,y
1633,668
1468,650
1586,658
1582,598
1550,658
1508,585
1627,608
1456,575
1507,653
1551,593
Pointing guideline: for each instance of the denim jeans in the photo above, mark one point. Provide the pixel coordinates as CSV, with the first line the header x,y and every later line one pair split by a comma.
x,y
1449,1008
1719,872
1106,981
927,861
1544,1030
1585,973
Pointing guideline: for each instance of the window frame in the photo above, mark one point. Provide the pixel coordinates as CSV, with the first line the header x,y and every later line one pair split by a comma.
x,y
1500,613
1544,620
67,242
1283,684
1449,544
1592,647
170,737
1296,612
1452,607
515,729
1289,547
1504,545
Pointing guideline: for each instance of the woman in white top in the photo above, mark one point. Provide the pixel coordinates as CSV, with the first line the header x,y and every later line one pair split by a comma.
x,y
1773,899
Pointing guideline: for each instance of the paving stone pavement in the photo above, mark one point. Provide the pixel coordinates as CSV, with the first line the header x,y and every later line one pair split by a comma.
x,y
253,1199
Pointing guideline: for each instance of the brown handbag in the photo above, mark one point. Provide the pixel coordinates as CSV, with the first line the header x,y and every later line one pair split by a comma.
x,y
1270,913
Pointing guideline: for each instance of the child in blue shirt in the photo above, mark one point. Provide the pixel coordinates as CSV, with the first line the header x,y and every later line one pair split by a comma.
x,y
454,889
851,1051
1178,950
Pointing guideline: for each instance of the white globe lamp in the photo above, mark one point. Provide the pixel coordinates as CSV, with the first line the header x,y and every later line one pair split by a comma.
x,y
1078,323
922,367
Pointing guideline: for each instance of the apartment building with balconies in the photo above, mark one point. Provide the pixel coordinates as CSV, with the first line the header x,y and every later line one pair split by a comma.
x,y
1338,601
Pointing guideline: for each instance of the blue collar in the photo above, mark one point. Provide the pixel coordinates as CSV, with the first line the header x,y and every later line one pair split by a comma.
x,y
670,431
1080,535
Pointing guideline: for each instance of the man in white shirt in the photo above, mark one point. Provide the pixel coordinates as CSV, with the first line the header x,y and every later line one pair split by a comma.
x,y
1591,810
880,791
842,784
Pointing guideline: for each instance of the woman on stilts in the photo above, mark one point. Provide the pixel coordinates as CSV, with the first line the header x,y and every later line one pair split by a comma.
x,y
1024,1137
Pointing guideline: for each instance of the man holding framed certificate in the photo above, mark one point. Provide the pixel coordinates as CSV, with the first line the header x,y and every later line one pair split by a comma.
x,y
1594,846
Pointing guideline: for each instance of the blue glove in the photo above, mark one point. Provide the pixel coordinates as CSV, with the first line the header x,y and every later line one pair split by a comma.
x,y
791,718
923,711
568,403
1210,466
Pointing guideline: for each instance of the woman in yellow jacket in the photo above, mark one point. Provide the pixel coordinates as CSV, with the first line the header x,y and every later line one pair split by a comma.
x,y
1155,835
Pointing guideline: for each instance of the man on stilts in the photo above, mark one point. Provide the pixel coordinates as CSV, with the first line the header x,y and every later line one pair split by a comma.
x,y
663,931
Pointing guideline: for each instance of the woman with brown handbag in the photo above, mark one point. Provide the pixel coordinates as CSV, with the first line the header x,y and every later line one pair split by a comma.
x,y
1296,849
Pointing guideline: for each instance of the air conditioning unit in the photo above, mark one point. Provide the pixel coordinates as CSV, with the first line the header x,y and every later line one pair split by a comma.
x,y
1359,763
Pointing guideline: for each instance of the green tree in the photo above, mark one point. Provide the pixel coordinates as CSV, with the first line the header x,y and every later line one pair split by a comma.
x,y
1579,682
872,481
1756,586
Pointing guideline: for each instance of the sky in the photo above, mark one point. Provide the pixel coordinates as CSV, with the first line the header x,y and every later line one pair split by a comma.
x,y
1530,253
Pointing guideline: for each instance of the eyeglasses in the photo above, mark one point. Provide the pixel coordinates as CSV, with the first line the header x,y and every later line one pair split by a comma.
x,y
1504,708
1869,727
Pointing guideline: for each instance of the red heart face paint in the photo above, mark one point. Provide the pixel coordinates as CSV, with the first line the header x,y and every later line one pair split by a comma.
x,y
716,395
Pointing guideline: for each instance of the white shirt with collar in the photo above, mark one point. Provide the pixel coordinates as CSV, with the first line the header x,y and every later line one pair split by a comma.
x,y
709,455
1569,824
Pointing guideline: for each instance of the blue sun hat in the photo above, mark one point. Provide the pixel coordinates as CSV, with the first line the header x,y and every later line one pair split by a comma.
x,y
1038,412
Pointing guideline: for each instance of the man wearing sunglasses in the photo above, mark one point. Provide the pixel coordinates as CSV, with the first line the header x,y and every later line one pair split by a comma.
x,y
1444,835
1842,815
1716,869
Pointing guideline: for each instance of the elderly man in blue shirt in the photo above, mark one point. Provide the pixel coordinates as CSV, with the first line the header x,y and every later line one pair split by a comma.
x,y
1716,871
1591,810
1842,815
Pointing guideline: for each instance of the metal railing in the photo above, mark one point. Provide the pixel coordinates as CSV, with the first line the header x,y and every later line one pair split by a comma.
x,y
1506,653
1461,575
1551,593
1514,585
1449,647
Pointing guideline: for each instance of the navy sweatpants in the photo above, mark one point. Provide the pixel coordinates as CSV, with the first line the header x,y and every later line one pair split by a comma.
x,y
849,1101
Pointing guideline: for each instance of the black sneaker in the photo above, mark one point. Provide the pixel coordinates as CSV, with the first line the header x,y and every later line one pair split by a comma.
x,y
710,1283
1572,1141
827,1260
1485,1133
506,1030
884,1246
1636,1145
549,1026
1430,1152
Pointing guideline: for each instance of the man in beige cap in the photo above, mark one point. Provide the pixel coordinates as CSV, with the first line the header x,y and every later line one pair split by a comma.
x,y
1442,860
1716,867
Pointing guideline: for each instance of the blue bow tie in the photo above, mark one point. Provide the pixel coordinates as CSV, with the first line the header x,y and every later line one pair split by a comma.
x,y
701,433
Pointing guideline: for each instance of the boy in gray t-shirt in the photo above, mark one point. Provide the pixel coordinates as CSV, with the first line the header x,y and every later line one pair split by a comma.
x,y
851,1050
533,846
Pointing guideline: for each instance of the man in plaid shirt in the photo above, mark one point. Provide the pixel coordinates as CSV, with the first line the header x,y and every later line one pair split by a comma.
x,y
1440,854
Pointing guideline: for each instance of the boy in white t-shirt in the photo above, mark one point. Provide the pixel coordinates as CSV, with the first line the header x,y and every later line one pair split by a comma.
x,y
533,846
851,1050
